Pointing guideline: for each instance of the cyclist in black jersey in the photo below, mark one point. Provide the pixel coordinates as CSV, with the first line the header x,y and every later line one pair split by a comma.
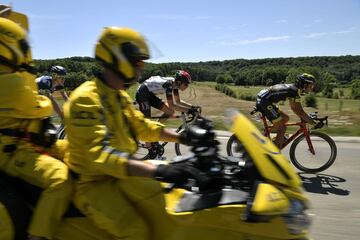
x,y
267,99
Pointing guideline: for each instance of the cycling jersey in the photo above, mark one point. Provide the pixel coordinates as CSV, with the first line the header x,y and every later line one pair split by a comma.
x,y
102,129
159,85
274,94
44,83
279,92
147,91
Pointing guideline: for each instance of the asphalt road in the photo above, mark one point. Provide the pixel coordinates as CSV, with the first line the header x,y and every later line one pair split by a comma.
x,y
334,194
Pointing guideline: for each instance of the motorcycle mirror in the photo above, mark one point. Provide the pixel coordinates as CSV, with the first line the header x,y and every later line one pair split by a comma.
x,y
230,115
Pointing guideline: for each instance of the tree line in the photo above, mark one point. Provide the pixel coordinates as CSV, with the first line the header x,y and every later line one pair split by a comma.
x,y
330,71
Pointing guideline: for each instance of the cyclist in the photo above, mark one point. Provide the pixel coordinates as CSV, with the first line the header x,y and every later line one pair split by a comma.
x,y
55,82
102,129
24,133
146,95
267,99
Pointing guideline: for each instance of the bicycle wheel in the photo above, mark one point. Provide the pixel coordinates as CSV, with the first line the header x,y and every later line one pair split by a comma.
x,y
61,132
142,153
324,156
181,149
234,147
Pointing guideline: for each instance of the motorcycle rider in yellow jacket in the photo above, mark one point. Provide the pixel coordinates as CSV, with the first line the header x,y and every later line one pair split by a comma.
x,y
102,128
24,153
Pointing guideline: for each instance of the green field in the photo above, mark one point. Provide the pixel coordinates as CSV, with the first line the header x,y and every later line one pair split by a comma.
x,y
344,114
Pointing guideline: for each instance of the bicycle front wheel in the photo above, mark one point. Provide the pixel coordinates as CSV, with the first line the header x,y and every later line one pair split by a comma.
x,y
61,134
322,158
181,149
233,147
142,153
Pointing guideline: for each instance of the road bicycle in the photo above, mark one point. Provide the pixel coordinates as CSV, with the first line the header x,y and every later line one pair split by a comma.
x,y
310,151
157,149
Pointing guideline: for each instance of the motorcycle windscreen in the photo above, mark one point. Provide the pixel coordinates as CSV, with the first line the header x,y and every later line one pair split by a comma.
x,y
267,158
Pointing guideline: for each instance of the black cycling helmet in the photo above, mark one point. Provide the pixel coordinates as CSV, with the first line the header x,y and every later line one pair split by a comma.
x,y
304,78
58,70
183,77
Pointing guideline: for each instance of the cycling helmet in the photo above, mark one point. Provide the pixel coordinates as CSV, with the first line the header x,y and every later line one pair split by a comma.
x,y
58,70
183,77
121,49
304,78
15,51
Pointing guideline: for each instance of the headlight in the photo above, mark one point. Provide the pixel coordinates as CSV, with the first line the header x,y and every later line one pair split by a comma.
x,y
297,220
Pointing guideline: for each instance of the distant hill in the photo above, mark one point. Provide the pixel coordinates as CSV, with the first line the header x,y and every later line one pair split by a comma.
x,y
340,69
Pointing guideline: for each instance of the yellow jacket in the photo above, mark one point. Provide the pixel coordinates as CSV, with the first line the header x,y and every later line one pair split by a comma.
x,y
102,127
20,103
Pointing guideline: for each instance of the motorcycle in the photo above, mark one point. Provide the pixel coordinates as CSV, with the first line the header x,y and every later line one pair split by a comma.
x,y
252,197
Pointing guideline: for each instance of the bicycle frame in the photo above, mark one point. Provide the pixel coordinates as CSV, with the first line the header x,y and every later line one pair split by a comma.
x,y
184,124
302,130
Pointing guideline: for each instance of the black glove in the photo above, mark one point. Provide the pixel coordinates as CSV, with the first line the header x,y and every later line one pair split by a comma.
x,y
319,125
195,136
180,174
192,111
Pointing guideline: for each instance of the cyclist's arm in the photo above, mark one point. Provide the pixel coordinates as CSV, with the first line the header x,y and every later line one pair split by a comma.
x,y
64,95
172,105
179,101
299,111
56,106
167,135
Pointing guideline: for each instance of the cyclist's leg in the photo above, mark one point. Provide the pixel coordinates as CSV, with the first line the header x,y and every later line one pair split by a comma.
x,y
162,106
142,97
277,117
280,128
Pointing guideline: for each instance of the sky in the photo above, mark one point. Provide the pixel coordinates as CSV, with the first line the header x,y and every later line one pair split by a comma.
x,y
198,30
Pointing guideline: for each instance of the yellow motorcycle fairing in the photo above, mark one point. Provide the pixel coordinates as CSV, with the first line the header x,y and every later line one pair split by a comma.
x,y
226,222
268,159
269,200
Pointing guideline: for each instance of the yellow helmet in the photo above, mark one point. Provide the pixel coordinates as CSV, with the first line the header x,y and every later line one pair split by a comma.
x,y
121,49
15,51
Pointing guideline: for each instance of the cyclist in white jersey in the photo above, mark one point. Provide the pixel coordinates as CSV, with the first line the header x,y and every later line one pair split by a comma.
x,y
146,95
55,82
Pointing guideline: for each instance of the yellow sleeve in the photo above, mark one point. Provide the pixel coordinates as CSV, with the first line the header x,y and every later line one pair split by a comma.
x,y
89,143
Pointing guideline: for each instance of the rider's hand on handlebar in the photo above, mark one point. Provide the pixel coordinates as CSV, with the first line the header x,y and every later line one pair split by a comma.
x,y
180,174
319,124
192,111
195,136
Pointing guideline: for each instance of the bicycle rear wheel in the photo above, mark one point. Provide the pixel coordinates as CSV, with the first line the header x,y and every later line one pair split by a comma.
x,y
324,156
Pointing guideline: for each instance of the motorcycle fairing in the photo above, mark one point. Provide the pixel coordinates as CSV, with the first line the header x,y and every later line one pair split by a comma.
x,y
268,159
193,201
268,200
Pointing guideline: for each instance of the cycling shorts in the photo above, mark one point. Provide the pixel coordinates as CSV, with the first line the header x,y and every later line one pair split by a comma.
x,y
269,109
146,100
